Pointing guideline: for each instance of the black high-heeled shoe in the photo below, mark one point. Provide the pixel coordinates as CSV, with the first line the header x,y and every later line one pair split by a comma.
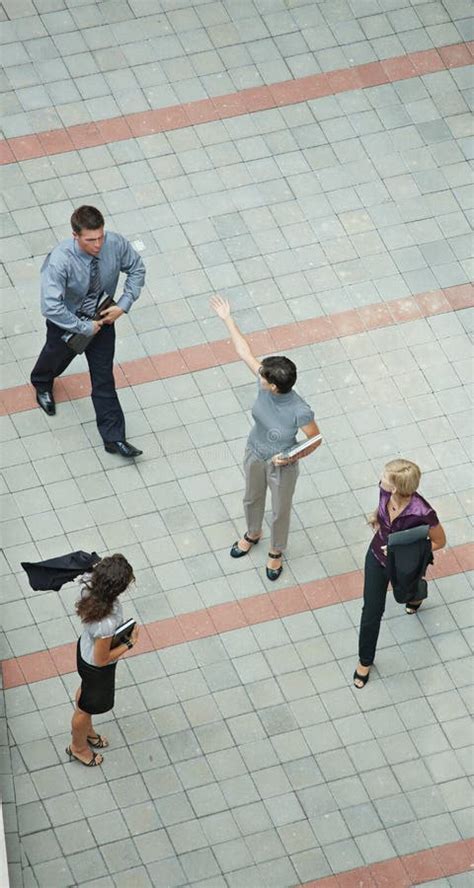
x,y
274,573
363,678
236,552
412,608
94,762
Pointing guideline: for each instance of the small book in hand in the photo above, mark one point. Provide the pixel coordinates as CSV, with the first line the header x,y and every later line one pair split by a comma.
x,y
122,633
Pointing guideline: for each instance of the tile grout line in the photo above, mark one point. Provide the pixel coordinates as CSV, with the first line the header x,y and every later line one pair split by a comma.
x,y
220,618
220,352
246,101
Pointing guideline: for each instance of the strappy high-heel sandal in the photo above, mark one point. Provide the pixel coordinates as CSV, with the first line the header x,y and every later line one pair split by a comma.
x,y
274,573
98,742
236,552
92,763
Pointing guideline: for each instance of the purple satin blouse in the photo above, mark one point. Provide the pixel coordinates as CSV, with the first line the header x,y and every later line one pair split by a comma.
x,y
416,512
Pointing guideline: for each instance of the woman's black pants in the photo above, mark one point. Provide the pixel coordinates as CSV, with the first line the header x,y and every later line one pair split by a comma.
x,y
376,582
56,356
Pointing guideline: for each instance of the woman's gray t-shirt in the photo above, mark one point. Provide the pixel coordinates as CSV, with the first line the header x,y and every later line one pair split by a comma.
x,y
277,420
100,629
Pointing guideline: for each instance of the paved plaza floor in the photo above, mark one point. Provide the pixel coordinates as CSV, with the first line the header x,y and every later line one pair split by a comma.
x,y
311,161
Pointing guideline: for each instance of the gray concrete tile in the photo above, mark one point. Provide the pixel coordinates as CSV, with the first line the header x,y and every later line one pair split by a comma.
x,y
361,819
345,853
375,846
232,855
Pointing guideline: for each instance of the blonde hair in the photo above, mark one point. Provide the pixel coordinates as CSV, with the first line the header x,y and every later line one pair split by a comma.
x,y
404,475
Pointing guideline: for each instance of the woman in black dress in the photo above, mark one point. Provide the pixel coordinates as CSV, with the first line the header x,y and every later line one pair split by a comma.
x,y
101,614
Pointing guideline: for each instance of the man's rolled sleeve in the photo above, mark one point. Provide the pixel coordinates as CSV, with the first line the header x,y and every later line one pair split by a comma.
x,y
131,263
53,307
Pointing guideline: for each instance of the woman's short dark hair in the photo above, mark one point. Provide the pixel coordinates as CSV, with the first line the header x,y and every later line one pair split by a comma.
x,y
110,577
86,217
279,371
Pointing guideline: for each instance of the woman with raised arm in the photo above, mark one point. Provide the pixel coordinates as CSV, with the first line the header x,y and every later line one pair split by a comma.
x,y
278,413
400,508
101,614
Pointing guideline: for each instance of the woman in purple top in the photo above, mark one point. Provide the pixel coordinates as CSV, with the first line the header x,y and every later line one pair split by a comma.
x,y
400,507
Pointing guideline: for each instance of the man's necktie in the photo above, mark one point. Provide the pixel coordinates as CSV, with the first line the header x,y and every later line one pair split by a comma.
x,y
90,302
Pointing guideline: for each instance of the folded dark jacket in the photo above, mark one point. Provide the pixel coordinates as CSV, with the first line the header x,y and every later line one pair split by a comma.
x,y
53,573
411,535
407,566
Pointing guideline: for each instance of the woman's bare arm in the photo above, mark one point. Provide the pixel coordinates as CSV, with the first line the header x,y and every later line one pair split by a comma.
x,y
437,537
104,656
222,310
309,431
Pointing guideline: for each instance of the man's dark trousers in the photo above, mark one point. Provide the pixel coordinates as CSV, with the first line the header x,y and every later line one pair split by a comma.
x,y
56,356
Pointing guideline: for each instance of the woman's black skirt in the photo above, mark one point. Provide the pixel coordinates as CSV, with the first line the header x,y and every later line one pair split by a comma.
x,y
98,686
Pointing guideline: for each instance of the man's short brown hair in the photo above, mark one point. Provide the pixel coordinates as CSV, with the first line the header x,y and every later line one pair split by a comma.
x,y
86,217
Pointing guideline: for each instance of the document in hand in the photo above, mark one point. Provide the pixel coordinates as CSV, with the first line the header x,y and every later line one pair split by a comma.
x,y
78,342
122,633
302,446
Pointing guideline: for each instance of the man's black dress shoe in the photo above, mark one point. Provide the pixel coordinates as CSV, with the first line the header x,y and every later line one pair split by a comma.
x,y
46,402
123,448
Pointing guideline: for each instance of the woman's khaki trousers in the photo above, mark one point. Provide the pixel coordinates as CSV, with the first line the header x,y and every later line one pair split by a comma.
x,y
260,474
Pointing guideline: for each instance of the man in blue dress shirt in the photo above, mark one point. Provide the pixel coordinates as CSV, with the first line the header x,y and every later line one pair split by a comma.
x,y
73,278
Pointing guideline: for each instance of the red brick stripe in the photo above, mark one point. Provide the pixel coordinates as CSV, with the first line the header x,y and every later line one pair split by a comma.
x,y
405,871
286,336
221,618
245,101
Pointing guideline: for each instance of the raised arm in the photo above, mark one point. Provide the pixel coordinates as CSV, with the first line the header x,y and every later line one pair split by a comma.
x,y
222,310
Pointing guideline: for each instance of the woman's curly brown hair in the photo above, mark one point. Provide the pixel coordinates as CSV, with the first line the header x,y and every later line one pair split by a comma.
x,y
110,577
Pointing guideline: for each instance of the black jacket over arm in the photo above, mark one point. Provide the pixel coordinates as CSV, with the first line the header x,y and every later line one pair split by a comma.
x,y
406,566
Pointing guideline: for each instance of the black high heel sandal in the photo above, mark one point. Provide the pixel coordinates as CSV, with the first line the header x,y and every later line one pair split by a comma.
x,y
98,742
274,573
92,763
412,608
235,552
363,678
